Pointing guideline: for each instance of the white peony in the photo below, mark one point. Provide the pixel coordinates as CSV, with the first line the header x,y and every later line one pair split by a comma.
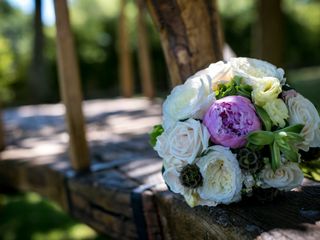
x,y
184,141
253,69
265,90
277,111
222,177
302,111
189,100
286,177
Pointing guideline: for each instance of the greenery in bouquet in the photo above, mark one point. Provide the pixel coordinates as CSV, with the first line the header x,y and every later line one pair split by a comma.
x,y
234,129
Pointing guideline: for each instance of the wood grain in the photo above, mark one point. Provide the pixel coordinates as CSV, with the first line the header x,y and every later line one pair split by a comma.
x,y
69,80
190,35
101,196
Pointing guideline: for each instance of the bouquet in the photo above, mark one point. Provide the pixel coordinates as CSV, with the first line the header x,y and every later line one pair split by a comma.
x,y
233,128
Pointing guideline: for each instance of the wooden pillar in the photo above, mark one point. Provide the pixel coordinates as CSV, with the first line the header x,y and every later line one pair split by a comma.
x,y
144,53
124,51
2,132
190,34
267,34
69,80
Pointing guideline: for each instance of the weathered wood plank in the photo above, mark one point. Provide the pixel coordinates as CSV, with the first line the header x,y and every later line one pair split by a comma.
x,y
109,190
69,80
102,197
44,175
190,35
115,225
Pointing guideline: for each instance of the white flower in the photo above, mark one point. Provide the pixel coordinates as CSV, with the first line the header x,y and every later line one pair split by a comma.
x,y
189,100
248,181
277,111
184,141
219,73
253,69
265,90
172,176
286,177
302,111
222,177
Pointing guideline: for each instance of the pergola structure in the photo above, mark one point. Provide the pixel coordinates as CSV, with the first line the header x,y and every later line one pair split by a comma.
x,y
117,189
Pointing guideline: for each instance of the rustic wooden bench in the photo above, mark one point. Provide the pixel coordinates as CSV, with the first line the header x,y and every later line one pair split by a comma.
x,y
117,188
122,195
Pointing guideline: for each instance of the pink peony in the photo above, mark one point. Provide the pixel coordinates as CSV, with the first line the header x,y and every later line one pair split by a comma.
x,y
229,120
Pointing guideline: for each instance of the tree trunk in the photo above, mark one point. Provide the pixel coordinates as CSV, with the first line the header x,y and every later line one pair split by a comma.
x,y
268,32
190,34
38,84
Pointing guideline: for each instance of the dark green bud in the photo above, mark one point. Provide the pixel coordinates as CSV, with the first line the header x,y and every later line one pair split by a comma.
x,y
191,177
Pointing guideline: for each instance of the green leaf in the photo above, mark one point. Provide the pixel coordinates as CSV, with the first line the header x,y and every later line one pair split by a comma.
x,y
261,138
263,115
275,156
293,128
156,131
234,87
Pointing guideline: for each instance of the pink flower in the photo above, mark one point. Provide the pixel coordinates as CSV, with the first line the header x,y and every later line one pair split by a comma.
x,y
229,120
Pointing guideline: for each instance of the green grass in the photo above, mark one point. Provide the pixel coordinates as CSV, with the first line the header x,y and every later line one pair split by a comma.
x,y
30,217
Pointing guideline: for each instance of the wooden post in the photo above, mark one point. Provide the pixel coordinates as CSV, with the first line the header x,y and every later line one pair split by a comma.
x,y
2,132
190,34
69,80
143,52
125,63
267,34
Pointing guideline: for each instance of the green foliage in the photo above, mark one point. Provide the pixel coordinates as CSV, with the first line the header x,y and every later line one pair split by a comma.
x,y
311,169
29,217
233,87
7,74
264,117
280,141
156,131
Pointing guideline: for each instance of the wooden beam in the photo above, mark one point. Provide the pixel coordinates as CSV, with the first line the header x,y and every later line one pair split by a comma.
x,y
268,32
69,80
124,51
144,53
190,35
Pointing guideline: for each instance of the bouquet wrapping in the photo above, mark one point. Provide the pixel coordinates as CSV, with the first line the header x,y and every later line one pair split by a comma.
x,y
232,128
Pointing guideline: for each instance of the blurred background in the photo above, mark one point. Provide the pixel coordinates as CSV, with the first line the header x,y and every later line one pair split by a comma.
x,y
28,51
28,71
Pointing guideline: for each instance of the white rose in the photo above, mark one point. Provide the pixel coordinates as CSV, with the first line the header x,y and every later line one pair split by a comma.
x,y
302,111
277,111
189,100
184,141
286,177
172,176
253,69
265,90
219,73
222,177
